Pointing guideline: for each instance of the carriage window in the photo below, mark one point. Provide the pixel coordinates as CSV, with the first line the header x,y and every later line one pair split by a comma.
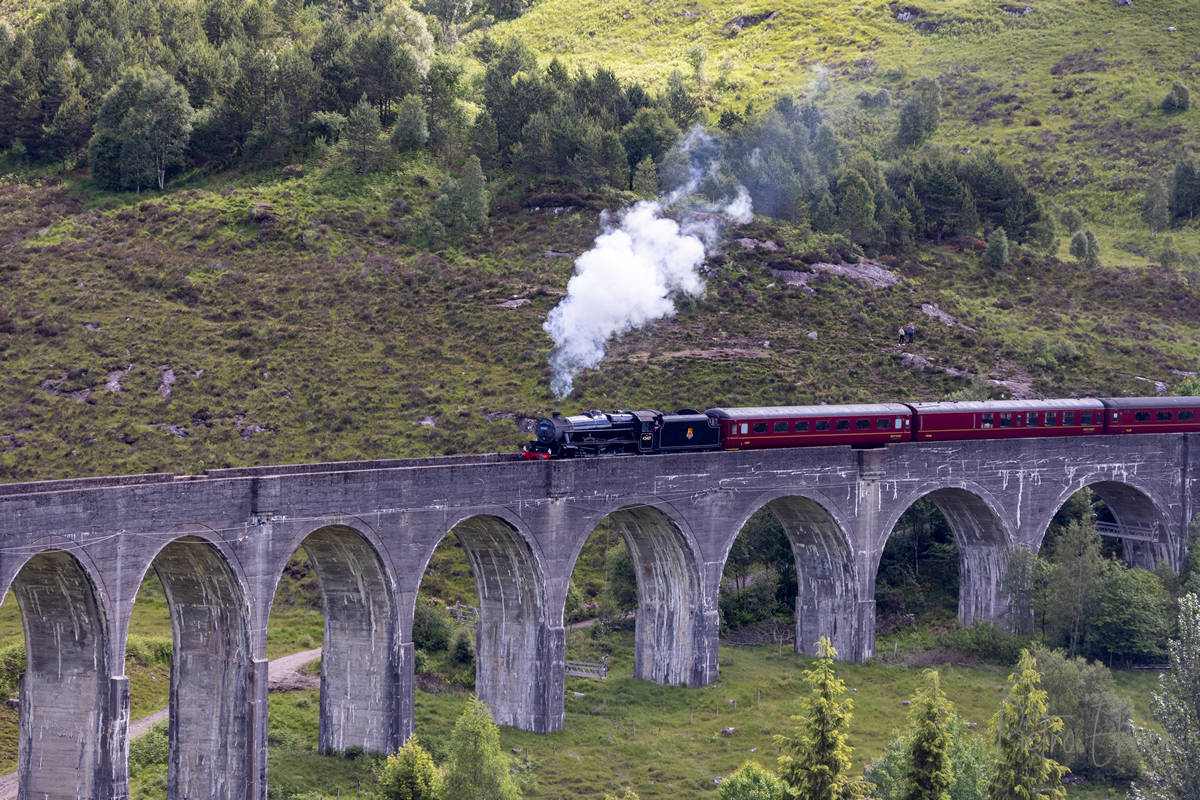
x,y
822,424
1085,418
802,426
760,427
745,428
1068,418
1185,415
987,421
1051,417
1031,418
843,425
863,424
780,427
1006,420
1142,416
1163,415
885,424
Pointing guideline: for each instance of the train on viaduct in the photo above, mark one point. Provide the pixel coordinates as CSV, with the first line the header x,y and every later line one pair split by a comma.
x,y
75,552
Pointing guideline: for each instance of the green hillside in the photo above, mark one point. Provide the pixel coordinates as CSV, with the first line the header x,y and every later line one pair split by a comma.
x,y
1068,90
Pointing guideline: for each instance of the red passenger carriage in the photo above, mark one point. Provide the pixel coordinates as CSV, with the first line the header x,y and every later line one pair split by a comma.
x,y
1007,419
1151,414
805,426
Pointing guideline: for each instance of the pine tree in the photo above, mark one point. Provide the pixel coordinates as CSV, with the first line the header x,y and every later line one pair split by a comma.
x,y
1093,254
682,105
824,213
1025,734
968,215
645,179
409,774
916,211
996,254
1171,768
815,764
475,199
930,775
363,139
477,767
856,211
411,130
1185,190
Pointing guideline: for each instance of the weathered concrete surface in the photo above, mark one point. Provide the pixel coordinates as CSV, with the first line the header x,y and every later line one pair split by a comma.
x,y
76,551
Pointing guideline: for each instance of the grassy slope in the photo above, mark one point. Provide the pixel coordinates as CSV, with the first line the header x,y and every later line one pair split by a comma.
x,y
323,335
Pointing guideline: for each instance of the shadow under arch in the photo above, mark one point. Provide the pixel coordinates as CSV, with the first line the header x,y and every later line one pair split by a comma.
x,y
515,648
212,681
359,661
669,623
827,587
65,711
1137,520
983,542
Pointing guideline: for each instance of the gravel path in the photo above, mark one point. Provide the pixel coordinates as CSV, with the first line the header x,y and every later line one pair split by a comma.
x,y
283,674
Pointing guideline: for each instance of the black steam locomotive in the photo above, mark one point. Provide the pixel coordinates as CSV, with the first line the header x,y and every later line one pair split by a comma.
x,y
596,433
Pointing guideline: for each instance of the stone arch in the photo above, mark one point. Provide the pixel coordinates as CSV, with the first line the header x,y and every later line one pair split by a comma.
x,y
359,665
671,645
827,602
983,540
1139,521
212,672
516,651
65,712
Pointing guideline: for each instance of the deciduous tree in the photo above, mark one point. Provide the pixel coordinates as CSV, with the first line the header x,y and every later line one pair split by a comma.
x,y
751,782
477,768
1171,767
143,127
1072,593
409,774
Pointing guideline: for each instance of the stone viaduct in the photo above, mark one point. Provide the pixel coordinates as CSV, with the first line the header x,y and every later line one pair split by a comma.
x,y
75,552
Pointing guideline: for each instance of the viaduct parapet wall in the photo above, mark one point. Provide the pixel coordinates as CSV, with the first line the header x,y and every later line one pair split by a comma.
x,y
75,553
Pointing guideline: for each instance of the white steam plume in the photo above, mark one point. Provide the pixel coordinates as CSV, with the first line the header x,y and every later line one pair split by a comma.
x,y
637,267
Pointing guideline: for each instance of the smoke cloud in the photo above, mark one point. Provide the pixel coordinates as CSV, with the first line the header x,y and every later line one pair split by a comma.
x,y
639,264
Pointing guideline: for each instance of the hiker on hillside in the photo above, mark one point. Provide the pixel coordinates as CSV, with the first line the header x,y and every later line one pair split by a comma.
x,y
910,332
902,335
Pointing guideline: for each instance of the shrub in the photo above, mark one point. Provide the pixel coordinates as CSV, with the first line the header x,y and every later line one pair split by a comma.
x,y
1097,737
987,642
12,664
147,650
463,651
1178,99
432,626
149,749
996,254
